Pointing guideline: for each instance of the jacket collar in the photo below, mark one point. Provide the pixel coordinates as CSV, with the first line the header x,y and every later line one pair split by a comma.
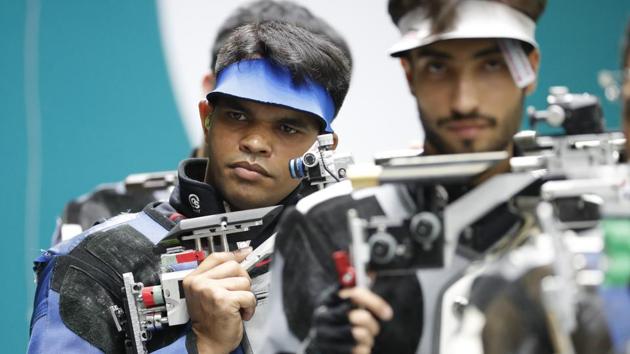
x,y
193,197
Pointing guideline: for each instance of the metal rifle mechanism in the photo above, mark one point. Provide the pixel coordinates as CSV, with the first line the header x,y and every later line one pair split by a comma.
x,y
569,182
149,309
425,239
321,165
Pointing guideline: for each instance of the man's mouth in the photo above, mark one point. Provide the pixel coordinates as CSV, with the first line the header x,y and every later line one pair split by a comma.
x,y
467,128
249,171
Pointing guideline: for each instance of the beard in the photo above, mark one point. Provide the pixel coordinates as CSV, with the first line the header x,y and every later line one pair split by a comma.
x,y
501,138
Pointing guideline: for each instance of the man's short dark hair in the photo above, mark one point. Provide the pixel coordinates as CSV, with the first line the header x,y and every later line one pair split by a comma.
x,y
284,11
442,11
305,54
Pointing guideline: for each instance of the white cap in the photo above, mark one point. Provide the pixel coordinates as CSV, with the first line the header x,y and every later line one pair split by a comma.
x,y
473,19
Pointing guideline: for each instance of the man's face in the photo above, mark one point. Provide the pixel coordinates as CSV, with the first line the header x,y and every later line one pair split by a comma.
x,y
467,99
249,147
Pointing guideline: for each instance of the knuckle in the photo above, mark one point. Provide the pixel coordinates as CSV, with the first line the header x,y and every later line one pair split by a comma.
x,y
360,334
363,318
219,298
187,282
195,286
246,282
248,299
251,298
234,266
244,274
249,281
359,316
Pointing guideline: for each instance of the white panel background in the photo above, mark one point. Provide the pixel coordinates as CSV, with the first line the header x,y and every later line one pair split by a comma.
x,y
379,112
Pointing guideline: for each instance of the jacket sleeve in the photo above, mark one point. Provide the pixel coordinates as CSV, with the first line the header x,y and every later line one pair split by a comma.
x,y
48,332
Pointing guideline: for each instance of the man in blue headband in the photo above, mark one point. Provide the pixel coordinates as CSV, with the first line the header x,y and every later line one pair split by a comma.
x,y
278,86
138,190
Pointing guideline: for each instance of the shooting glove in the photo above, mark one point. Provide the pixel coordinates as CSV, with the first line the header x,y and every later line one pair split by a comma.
x,y
331,331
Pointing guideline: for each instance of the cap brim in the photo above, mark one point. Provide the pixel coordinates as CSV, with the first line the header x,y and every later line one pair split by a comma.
x,y
474,19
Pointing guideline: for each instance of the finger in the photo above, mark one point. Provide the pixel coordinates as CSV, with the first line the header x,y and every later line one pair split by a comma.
x,y
246,301
226,270
234,283
362,336
363,318
361,349
214,260
247,313
242,253
217,258
367,299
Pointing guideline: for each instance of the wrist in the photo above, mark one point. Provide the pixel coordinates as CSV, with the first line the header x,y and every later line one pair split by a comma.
x,y
208,346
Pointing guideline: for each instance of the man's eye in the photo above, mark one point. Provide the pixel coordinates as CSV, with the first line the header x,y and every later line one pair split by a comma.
x,y
493,65
236,116
288,129
436,68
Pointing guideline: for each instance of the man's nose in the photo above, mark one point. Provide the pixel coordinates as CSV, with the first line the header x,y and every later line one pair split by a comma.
x,y
256,142
465,98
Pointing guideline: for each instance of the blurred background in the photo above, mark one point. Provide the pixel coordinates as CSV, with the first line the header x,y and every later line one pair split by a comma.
x,y
93,91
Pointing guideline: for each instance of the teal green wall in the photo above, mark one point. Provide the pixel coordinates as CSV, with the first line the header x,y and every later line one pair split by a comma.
x,y
577,39
106,109
12,176
102,75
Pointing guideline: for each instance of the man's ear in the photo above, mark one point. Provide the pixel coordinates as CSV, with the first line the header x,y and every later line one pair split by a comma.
x,y
205,111
208,83
534,61
406,65
335,141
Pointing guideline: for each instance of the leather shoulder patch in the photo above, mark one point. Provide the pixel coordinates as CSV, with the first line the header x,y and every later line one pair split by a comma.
x,y
89,281
111,253
84,308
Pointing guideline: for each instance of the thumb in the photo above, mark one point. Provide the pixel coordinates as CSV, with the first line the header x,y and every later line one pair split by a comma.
x,y
242,253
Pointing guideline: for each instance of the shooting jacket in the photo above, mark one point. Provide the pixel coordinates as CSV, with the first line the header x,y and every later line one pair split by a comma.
x,y
80,279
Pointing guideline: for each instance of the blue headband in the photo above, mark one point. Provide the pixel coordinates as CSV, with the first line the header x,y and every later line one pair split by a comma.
x,y
260,80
